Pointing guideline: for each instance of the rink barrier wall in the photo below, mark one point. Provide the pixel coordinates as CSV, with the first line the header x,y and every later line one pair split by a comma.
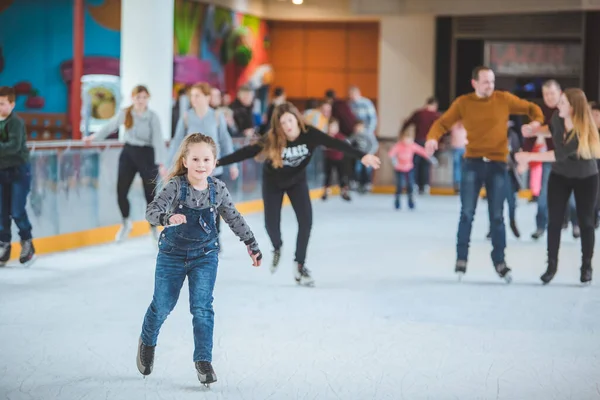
x,y
106,234
73,204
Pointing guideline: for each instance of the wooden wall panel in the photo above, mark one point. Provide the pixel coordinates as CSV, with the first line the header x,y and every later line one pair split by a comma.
x,y
363,49
319,81
293,80
326,49
366,82
311,57
287,48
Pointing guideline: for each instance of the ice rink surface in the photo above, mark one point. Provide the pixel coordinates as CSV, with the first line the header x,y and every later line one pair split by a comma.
x,y
387,318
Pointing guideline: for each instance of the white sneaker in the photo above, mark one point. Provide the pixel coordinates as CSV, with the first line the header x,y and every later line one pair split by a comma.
x,y
124,231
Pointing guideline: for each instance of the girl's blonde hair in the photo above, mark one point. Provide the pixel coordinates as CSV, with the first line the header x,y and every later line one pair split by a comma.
x,y
178,169
128,116
584,127
276,140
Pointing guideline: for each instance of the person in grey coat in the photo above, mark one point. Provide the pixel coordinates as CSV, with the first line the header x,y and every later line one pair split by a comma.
x,y
201,118
144,152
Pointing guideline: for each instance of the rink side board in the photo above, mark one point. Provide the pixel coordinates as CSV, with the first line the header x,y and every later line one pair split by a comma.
x,y
106,234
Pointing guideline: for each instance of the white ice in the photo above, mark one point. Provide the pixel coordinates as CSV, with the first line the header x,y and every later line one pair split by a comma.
x,y
386,320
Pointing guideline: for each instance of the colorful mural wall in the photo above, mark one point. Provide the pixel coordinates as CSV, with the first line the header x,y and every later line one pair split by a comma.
x,y
212,44
219,46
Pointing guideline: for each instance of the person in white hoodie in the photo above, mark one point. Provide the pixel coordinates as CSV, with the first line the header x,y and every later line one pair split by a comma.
x,y
144,152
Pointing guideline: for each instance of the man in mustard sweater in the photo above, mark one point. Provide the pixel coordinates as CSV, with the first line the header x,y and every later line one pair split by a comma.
x,y
485,114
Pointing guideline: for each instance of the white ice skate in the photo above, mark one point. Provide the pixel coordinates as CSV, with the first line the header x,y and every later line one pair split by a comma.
x,y
302,276
124,231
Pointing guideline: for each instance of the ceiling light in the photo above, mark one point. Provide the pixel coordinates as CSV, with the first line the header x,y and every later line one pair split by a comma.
x,y
297,2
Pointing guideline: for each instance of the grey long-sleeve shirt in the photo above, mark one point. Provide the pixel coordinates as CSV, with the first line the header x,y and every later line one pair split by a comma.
x,y
144,132
213,124
161,208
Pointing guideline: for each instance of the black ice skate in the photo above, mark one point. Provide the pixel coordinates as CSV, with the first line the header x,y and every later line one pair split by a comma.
x,y
550,272
302,276
276,258
27,256
145,358
503,272
206,373
586,273
514,228
537,234
460,268
4,253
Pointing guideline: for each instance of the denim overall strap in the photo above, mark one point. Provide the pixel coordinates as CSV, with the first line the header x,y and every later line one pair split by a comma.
x,y
183,189
211,192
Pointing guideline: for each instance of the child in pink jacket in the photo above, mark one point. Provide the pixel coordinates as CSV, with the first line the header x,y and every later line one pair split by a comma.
x,y
402,155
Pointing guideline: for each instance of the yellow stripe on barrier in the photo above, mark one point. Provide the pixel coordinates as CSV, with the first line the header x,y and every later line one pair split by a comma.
x,y
441,191
106,234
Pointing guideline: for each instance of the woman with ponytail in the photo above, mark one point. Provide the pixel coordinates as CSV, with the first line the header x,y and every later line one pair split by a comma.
x,y
144,152
574,170
286,150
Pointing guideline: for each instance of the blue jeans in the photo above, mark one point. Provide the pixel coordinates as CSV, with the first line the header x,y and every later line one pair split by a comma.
x,y
511,199
475,174
15,184
405,180
187,250
457,162
173,265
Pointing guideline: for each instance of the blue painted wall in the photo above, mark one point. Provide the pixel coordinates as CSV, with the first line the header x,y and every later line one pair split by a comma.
x,y
36,36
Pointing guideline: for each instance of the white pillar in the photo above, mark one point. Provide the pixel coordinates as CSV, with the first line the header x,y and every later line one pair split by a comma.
x,y
406,68
147,54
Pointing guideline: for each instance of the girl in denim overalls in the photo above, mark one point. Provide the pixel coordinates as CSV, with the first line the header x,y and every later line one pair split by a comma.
x,y
188,247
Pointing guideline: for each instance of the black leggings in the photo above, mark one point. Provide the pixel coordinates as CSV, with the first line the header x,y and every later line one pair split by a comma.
x,y
133,160
559,191
340,167
300,199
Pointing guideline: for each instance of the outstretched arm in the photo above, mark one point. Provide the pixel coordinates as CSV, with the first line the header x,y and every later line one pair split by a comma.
x,y
323,139
242,154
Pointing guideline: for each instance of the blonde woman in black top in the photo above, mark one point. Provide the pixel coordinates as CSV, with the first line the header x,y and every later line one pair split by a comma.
x,y
574,170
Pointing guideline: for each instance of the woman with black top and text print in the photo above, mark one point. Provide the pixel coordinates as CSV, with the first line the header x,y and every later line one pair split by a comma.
x,y
287,149
144,152
574,170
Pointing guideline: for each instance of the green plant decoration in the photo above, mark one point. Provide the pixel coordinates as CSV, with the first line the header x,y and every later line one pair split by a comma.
x,y
242,55
251,22
188,15
233,39
223,19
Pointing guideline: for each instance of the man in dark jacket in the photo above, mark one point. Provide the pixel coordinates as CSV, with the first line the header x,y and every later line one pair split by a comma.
x,y
15,179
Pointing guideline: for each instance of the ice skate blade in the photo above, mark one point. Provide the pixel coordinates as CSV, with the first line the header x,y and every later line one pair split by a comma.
x,y
586,284
306,284
507,278
29,263
460,275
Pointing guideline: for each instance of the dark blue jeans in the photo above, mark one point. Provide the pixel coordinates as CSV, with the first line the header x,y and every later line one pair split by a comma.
x,y
15,184
405,180
421,169
457,161
475,174
173,265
